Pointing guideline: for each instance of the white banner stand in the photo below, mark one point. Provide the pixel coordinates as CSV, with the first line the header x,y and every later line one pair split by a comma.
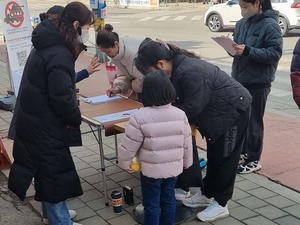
x,y
17,31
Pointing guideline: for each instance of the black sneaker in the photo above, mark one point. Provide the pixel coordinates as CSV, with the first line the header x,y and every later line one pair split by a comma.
x,y
249,167
243,158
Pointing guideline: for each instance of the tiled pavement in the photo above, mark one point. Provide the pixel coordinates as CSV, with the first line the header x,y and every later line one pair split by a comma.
x,y
256,199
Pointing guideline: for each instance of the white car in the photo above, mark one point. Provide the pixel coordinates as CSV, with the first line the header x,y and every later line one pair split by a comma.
x,y
225,15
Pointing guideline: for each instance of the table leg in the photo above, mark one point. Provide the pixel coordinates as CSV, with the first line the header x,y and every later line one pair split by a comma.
x,y
116,147
181,215
100,143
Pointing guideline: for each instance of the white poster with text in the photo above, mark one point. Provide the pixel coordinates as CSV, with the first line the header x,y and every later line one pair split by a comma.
x,y
17,31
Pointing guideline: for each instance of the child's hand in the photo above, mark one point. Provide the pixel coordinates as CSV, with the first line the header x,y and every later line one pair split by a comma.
x,y
129,170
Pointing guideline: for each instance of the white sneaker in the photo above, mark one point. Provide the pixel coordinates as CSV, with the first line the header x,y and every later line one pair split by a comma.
x,y
181,194
72,215
213,212
76,223
197,200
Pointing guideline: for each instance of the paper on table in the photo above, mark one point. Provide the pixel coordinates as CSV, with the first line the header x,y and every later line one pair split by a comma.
x,y
100,99
226,43
115,116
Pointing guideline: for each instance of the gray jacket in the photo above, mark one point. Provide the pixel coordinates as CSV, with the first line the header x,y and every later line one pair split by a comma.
x,y
262,37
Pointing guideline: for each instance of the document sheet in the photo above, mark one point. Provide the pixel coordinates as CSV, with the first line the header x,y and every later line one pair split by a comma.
x,y
226,43
100,99
115,116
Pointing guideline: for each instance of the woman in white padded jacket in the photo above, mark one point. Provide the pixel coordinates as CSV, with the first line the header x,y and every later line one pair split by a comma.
x,y
122,51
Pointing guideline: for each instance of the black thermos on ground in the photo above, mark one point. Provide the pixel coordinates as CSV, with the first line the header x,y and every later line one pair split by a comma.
x,y
116,198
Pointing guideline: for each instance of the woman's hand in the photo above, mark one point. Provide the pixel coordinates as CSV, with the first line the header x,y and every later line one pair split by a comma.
x,y
113,91
239,48
93,67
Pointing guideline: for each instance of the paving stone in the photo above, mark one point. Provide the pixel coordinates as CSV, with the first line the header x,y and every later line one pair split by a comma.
x,y
120,176
108,213
76,159
94,147
113,169
87,172
124,219
270,212
226,221
294,210
90,195
81,165
252,202
96,165
96,204
262,193
75,203
77,149
91,158
193,220
242,213
84,213
259,220
280,201
232,204
84,153
239,194
137,191
245,185
86,186
89,142
110,185
132,182
287,220
95,220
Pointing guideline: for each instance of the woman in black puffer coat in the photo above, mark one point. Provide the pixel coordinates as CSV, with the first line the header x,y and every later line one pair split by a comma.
x,y
48,118
218,106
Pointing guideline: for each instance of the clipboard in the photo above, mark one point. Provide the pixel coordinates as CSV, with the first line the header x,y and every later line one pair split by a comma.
x,y
226,43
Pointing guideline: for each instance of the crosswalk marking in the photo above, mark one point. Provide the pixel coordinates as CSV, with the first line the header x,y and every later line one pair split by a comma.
x,y
197,18
162,18
179,17
146,18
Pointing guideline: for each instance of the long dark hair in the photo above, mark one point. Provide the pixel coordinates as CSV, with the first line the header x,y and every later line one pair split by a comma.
x,y
157,89
106,38
150,52
265,4
74,11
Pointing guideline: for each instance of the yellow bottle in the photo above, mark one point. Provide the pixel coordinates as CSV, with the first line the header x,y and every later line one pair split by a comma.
x,y
135,165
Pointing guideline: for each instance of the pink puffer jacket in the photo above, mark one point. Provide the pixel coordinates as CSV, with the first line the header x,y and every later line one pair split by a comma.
x,y
161,139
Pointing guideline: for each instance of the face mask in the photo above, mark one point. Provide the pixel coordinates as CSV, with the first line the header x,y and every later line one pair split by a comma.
x,y
84,37
247,13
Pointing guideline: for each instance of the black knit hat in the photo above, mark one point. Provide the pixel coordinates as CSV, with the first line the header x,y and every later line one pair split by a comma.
x,y
57,9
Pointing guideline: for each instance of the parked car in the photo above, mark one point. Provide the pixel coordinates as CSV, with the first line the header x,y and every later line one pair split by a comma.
x,y
225,15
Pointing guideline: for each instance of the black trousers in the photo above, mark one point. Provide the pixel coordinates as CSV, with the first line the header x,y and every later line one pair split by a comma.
x,y
222,161
255,133
192,176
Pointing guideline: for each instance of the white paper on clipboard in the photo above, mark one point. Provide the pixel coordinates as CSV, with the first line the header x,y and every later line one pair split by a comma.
x,y
226,43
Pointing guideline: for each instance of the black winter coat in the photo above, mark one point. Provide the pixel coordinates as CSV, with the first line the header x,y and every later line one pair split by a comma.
x,y
211,99
262,37
47,108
